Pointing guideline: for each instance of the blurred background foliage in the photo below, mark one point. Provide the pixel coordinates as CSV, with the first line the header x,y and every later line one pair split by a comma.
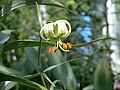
x,y
23,24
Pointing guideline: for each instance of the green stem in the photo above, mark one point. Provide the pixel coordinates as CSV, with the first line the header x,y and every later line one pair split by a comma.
x,y
57,65
40,44
88,43
42,77
54,66
15,45
39,53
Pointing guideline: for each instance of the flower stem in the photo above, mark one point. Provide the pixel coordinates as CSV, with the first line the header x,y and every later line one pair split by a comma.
x,y
40,44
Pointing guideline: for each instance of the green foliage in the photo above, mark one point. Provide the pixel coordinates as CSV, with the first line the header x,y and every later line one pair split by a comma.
x,y
22,44
90,87
53,88
9,70
27,64
5,77
10,85
63,73
18,3
103,78
4,36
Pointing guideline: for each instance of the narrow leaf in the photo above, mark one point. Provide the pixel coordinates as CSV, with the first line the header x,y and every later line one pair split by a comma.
x,y
22,44
23,81
31,43
90,87
40,44
32,57
48,79
39,15
19,3
93,41
63,72
32,76
56,81
6,70
4,36
55,66
10,85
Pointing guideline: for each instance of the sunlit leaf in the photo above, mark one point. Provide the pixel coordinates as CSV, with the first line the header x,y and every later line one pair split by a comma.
x,y
23,81
90,87
48,79
4,36
10,85
39,15
51,87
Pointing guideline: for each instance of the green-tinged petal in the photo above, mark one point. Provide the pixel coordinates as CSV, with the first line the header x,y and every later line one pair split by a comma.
x,y
62,28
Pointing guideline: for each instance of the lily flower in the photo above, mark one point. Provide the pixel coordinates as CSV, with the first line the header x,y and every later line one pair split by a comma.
x,y
55,31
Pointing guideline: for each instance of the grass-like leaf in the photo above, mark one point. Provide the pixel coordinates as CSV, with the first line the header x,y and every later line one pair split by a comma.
x,y
4,36
32,57
10,85
56,81
39,15
22,44
23,81
31,43
55,66
63,70
90,87
48,79
52,67
6,70
88,43
19,3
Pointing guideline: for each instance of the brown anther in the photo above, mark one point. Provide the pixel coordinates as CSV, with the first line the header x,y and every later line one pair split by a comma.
x,y
49,49
54,49
69,45
64,46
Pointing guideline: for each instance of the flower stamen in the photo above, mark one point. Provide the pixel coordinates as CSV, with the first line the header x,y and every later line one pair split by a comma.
x,y
69,45
49,49
64,46
54,49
